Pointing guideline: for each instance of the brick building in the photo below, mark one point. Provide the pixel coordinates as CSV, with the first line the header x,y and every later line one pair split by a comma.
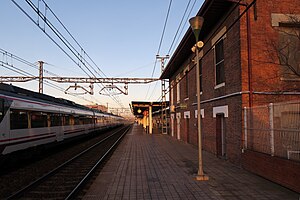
x,y
250,58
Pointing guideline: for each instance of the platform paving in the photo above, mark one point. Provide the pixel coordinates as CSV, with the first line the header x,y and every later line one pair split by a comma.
x,y
161,167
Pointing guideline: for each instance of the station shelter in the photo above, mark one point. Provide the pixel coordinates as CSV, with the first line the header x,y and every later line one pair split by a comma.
x,y
150,115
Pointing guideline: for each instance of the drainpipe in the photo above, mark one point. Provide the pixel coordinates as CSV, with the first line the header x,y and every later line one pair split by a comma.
x,y
249,59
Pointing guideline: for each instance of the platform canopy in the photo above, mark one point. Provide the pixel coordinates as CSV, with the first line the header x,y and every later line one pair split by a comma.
x,y
140,108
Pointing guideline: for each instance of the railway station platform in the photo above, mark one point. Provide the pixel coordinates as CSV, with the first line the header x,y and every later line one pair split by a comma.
x,y
159,167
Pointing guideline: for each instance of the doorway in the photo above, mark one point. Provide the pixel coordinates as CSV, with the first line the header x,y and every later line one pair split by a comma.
x,y
220,135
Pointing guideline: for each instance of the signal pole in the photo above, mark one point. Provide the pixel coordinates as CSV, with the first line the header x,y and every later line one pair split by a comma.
x,y
163,96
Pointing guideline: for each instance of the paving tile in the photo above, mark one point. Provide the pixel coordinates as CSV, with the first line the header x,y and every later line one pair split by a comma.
x,y
161,167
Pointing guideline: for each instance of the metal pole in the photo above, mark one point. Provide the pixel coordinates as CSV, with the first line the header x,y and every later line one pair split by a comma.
x,y
41,76
164,122
200,175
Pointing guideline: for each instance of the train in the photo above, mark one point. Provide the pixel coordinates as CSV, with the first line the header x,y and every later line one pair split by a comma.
x,y
29,119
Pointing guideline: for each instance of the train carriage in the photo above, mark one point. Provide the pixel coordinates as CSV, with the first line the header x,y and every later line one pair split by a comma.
x,y
30,119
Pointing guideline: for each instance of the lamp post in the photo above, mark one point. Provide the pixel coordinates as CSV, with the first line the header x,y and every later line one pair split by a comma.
x,y
196,25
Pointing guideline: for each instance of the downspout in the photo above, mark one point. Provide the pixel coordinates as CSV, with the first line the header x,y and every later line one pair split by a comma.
x,y
249,59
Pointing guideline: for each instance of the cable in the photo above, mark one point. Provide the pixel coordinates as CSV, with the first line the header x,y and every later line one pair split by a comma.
x,y
72,37
60,36
162,36
182,29
179,25
165,25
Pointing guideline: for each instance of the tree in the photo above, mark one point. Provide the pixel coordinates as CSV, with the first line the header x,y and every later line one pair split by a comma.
x,y
287,47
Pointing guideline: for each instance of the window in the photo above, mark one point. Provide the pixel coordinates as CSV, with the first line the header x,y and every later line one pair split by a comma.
x,y
18,119
288,51
186,83
72,121
66,120
55,119
100,120
88,120
76,120
172,93
178,89
38,119
219,59
1,109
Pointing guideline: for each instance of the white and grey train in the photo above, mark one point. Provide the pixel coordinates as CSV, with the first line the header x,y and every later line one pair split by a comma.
x,y
30,119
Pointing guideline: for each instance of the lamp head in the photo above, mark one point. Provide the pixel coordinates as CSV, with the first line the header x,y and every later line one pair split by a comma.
x,y
196,25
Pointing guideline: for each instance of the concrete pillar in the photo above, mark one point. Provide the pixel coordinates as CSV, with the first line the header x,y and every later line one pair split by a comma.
x,y
144,122
150,120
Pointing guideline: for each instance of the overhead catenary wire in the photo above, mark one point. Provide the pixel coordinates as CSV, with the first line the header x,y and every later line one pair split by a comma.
x,y
160,43
175,36
66,43
171,49
73,38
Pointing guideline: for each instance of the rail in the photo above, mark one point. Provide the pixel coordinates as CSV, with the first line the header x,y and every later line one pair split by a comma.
x,y
22,192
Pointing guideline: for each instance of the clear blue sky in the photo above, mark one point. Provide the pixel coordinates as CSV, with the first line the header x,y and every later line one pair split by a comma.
x,y
122,37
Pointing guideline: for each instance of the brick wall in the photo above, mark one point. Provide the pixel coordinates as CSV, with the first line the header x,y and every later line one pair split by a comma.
x,y
282,171
265,78
266,73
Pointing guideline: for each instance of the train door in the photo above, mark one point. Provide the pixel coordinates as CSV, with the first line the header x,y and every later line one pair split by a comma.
x,y
4,124
220,135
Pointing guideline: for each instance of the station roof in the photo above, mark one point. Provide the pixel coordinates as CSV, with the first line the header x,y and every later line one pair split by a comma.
x,y
138,107
212,11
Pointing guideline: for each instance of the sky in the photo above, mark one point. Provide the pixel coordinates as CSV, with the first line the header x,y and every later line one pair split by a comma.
x,y
121,37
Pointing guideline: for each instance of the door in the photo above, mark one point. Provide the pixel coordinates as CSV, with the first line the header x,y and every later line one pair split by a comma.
x,y
220,135
178,116
187,130
172,125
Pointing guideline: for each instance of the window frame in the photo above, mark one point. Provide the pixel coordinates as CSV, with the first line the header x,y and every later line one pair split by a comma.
x,y
219,62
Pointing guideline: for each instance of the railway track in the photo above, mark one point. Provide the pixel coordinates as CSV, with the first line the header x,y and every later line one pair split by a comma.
x,y
66,180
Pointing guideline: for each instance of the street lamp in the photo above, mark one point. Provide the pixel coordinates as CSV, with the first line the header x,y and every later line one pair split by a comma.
x,y
196,25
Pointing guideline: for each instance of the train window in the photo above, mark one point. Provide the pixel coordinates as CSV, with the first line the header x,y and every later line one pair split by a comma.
x,y
72,122
38,119
67,120
81,120
100,120
56,119
1,109
76,120
87,120
18,119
